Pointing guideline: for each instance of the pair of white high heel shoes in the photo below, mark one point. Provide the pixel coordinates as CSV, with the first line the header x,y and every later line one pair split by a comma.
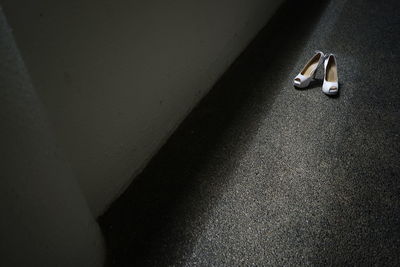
x,y
330,85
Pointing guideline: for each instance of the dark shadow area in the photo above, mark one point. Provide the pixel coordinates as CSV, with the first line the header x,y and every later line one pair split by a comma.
x,y
141,226
263,174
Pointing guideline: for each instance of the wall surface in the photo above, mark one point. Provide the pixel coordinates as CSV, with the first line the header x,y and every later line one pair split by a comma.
x,y
117,77
45,220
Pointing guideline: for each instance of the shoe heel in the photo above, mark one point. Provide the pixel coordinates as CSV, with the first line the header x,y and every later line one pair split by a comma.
x,y
314,74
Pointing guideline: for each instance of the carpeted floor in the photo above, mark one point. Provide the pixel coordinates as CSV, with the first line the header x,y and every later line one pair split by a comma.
x,y
263,174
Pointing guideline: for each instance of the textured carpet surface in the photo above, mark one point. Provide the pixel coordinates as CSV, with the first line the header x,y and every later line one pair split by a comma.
x,y
263,174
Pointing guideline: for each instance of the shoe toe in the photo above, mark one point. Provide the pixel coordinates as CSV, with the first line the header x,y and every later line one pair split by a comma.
x,y
333,90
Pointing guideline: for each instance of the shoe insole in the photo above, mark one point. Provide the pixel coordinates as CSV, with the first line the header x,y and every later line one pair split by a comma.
x,y
311,66
331,72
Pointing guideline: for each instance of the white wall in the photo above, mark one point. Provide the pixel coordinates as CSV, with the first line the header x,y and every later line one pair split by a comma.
x,y
45,220
117,77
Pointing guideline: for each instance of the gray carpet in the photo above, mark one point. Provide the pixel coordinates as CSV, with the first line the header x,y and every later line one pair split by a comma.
x,y
263,174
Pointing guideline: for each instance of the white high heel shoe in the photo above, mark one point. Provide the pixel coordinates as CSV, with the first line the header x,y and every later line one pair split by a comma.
x,y
304,78
331,80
